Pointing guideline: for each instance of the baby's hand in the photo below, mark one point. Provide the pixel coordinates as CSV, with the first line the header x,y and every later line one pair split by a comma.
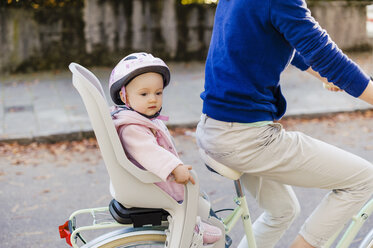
x,y
182,175
331,87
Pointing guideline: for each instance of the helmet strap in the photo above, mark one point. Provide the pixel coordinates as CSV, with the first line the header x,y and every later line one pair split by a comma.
x,y
123,90
149,116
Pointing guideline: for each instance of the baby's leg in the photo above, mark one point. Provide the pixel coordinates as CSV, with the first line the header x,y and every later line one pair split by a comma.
x,y
211,234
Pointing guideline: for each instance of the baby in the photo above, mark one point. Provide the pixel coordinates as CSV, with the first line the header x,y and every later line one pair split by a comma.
x,y
136,84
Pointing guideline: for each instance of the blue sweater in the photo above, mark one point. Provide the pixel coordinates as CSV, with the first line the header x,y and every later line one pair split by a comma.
x,y
253,41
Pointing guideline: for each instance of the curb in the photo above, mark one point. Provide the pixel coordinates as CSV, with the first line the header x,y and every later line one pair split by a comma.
x,y
54,138
326,114
74,136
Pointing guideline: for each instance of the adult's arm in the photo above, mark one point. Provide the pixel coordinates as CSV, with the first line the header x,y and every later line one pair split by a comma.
x,y
293,20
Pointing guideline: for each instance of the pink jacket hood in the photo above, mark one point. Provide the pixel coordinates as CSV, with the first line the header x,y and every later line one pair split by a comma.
x,y
128,117
138,135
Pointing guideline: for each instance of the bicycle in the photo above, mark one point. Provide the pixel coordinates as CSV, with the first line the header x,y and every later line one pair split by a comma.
x,y
155,236
155,227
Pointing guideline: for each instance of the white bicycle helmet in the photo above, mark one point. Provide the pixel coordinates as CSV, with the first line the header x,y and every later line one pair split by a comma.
x,y
130,67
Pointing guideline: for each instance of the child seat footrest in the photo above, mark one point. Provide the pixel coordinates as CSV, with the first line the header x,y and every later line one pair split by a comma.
x,y
137,216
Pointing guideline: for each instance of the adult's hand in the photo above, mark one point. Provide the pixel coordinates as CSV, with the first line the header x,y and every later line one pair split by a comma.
x,y
367,94
331,87
327,85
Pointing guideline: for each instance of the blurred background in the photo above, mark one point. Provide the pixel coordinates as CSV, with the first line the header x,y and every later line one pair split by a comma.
x,y
49,34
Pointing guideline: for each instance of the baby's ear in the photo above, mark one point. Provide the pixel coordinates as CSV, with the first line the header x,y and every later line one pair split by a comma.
x,y
121,96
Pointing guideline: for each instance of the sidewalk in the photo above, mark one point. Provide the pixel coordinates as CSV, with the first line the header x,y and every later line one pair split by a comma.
x,y
45,106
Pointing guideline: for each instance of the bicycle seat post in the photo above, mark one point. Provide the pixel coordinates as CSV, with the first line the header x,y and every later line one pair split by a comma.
x,y
237,185
242,210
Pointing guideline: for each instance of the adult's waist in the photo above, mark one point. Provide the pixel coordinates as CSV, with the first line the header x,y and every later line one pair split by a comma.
x,y
229,114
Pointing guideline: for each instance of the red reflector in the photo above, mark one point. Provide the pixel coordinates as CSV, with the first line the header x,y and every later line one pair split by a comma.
x,y
65,232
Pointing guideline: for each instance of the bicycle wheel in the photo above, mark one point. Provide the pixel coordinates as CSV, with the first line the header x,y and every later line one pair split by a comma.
x,y
368,241
130,237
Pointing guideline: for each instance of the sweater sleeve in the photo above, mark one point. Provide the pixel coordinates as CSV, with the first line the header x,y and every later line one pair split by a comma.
x,y
293,20
141,144
298,61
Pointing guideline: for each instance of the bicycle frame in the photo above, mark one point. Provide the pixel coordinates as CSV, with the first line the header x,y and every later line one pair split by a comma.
x,y
357,222
240,212
94,226
100,226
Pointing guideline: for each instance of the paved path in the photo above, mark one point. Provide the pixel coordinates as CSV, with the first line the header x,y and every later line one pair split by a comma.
x,y
40,189
45,106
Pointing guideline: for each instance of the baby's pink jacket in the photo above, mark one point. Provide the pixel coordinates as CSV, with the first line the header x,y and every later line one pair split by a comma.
x,y
154,152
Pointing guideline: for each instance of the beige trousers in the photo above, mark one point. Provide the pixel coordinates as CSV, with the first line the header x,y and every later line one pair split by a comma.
x,y
272,159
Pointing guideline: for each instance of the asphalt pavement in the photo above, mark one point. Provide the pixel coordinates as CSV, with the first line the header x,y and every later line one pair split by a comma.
x,y
46,106
42,184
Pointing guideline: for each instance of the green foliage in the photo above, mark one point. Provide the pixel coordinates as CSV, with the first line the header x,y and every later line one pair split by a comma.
x,y
45,11
187,2
37,4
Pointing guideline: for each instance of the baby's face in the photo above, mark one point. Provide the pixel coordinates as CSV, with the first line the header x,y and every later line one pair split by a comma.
x,y
144,93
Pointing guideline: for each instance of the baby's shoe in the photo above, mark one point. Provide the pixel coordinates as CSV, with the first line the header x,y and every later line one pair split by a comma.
x,y
211,233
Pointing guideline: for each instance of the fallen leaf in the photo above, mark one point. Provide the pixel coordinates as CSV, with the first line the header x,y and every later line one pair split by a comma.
x,y
42,177
16,161
368,147
17,184
14,209
30,208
